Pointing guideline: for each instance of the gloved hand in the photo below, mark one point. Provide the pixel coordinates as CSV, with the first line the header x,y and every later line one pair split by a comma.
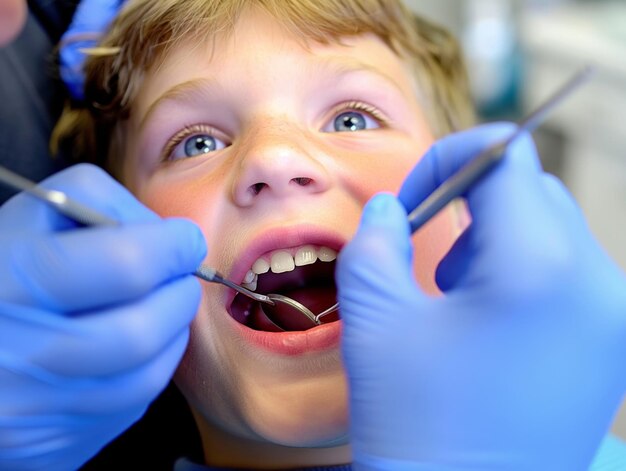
x,y
90,21
93,321
520,365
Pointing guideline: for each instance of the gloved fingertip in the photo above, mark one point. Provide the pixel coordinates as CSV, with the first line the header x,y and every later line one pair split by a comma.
x,y
191,238
416,186
381,209
384,235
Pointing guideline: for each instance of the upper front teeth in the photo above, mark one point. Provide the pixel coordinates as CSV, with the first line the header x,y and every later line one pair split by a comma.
x,y
260,266
282,261
326,255
306,255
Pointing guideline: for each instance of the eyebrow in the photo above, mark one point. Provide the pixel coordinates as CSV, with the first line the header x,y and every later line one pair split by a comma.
x,y
186,92
195,90
352,66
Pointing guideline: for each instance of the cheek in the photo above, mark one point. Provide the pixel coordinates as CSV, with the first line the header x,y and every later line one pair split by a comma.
x,y
382,167
170,191
195,199
386,172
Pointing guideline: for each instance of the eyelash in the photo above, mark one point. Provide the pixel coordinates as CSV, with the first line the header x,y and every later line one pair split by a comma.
x,y
192,129
184,133
360,106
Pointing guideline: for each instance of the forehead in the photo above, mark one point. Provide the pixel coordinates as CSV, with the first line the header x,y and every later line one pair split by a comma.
x,y
260,55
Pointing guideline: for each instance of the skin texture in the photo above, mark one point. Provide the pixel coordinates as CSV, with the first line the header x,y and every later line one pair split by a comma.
x,y
12,18
271,101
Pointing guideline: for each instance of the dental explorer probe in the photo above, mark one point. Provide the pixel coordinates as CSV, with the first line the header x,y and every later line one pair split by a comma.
x,y
88,217
479,166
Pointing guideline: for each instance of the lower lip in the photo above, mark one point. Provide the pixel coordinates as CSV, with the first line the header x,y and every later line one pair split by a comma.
x,y
318,339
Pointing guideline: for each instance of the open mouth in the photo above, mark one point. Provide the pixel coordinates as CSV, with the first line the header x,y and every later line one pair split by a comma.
x,y
305,274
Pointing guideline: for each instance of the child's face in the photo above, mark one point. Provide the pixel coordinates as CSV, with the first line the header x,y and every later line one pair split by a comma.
x,y
291,143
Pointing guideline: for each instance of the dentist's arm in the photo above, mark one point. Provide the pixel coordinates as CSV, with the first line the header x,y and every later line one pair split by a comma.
x,y
12,18
93,321
520,365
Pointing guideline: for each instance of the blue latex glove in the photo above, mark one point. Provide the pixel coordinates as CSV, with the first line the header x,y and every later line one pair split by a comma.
x,y
93,321
520,365
90,21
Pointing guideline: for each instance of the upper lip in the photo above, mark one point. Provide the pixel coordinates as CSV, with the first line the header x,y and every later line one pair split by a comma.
x,y
282,238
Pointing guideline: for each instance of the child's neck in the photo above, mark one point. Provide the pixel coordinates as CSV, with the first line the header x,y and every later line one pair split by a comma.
x,y
222,449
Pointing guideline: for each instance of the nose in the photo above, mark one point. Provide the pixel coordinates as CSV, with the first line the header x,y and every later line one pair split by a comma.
x,y
278,162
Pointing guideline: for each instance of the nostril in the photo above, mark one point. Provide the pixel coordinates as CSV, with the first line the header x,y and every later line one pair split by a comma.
x,y
302,181
257,187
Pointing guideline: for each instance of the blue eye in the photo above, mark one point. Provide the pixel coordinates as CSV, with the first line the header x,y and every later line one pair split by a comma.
x,y
352,121
195,145
201,144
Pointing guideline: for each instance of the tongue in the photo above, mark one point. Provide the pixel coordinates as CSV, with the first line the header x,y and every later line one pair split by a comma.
x,y
317,299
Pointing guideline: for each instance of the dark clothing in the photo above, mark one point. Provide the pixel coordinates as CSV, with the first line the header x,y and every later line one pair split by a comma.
x,y
611,456
31,98
165,433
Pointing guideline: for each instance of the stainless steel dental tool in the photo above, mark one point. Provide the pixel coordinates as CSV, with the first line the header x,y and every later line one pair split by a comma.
x,y
479,166
87,216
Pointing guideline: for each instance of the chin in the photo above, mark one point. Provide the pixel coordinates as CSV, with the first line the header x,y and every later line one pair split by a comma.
x,y
281,394
313,415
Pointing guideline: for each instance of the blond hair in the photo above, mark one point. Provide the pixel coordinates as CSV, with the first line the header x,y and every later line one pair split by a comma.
x,y
146,29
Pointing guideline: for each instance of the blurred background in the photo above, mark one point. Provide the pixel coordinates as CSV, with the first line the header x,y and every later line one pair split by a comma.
x,y
518,52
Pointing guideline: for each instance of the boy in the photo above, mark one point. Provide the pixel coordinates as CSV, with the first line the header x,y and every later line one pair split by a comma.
x,y
270,124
